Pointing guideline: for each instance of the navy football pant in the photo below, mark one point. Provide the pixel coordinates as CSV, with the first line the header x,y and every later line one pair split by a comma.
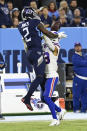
x,y
47,93
34,58
79,94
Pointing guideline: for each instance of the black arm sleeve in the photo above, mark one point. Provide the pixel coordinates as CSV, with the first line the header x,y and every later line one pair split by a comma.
x,y
46,32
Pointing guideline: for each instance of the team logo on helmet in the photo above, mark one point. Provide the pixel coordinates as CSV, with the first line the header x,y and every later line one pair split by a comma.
x,y
28,13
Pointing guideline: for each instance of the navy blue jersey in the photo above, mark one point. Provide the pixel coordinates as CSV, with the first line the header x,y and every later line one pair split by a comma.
x,y
30,33
79,65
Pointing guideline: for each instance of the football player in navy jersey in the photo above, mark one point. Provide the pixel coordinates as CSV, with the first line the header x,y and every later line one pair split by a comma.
x,y
30,29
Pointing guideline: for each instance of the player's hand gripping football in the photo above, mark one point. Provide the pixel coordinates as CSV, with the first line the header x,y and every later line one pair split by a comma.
x,y
62,35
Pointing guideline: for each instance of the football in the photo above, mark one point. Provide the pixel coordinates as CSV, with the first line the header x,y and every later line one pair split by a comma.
x,y
55,26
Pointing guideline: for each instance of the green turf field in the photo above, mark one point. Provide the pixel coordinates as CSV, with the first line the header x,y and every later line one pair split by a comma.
x,y
76,125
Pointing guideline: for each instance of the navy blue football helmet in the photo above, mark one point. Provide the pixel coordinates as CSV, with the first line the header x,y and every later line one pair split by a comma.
x,y
28,13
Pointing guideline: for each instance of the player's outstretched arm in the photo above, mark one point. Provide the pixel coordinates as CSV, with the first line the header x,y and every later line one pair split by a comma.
x,y
46,32
49,43
51,46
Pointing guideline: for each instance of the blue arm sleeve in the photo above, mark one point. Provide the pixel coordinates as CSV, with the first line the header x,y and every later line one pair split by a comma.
x,y
79,61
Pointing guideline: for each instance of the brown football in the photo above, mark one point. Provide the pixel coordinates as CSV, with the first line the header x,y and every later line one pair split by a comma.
x,y
55,26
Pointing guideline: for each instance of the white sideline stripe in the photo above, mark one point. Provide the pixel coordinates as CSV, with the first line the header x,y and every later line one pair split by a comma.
x,y
68,116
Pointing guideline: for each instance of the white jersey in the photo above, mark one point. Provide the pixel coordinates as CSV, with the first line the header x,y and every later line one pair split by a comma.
x,y
51,68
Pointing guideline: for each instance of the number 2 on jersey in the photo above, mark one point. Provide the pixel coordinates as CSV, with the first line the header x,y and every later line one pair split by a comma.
x,y
26,34
47,57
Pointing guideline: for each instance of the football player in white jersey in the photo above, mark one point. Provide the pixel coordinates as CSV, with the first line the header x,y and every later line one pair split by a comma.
x,y
51,51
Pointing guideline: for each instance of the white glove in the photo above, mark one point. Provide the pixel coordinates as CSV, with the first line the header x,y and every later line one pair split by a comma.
x,y
62,35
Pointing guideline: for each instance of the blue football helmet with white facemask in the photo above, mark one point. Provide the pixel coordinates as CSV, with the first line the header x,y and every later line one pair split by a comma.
x,y
28,13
